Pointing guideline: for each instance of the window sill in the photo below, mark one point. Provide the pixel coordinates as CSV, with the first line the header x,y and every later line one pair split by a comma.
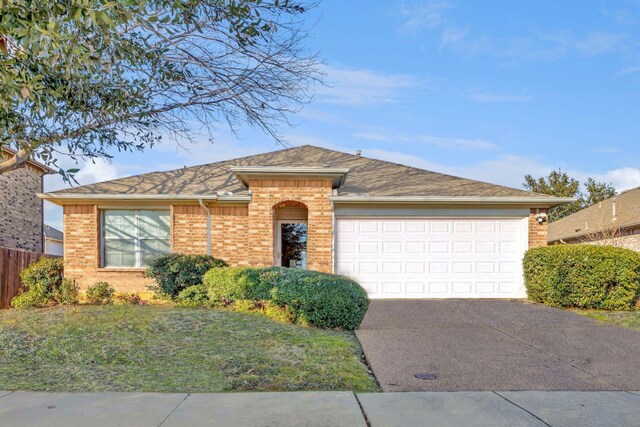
x,y
121,269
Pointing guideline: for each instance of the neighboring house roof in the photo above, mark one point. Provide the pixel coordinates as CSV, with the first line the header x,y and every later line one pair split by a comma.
x,y
53,233
45,169
598,217
366,178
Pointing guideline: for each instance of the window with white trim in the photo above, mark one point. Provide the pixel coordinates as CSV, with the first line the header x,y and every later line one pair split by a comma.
x,y
131,237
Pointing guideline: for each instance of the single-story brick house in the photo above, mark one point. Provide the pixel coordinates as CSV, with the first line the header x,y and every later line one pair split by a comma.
x,y
614,221
402,232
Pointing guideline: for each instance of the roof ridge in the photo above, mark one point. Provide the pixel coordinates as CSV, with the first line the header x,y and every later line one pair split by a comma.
x,y
430,171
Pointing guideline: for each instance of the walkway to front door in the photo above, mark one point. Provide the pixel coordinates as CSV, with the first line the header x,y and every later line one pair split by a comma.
x,y
453,345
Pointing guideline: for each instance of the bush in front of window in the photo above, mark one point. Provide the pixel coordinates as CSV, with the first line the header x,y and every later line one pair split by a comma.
x,y
583,276
175,272
100,293
305,297
44,285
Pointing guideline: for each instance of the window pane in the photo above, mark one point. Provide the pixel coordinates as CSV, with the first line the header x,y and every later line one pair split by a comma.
x,y
120,224
119,253
153,224
153,247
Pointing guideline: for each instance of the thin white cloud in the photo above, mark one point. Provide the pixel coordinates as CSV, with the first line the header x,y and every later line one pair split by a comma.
x,y
509,170
600,43
606,150
443,142
629,70
490,97
365,87
428,14
538,45
451,35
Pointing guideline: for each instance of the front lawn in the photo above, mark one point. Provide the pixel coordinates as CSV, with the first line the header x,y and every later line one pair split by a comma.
x,y
628,319
170,349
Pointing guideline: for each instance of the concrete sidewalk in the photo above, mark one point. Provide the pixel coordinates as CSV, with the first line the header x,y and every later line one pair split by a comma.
x,y
521,408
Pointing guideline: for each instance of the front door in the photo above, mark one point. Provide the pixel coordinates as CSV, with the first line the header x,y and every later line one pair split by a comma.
x,y
292,244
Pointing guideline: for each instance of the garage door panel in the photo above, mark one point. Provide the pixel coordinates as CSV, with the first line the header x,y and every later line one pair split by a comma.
x,y
433,258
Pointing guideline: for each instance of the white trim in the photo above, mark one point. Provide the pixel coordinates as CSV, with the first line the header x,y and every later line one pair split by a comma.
x,y
278,245
430,212
525,201
54,197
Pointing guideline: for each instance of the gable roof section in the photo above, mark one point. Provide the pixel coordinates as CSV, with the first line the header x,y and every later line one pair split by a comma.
x,y
52,233
594,218
367,178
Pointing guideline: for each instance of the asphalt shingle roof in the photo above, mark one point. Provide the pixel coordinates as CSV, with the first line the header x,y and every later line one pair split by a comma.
x,y
52,233
367,177
594,218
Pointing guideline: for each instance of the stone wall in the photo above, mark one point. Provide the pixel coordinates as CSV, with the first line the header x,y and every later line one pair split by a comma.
x,y
20,209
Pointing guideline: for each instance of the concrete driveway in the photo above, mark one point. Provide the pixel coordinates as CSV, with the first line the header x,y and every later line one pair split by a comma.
x,y
464,345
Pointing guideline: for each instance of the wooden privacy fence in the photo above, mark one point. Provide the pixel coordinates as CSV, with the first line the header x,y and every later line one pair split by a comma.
x,y
12,262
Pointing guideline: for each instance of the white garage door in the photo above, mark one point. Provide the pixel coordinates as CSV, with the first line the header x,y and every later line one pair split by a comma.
x,y
434,258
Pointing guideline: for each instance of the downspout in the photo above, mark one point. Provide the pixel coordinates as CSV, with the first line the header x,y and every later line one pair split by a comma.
x,y
208,225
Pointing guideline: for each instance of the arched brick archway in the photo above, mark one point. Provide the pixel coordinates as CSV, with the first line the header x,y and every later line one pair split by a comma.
x,y
272,197
293,203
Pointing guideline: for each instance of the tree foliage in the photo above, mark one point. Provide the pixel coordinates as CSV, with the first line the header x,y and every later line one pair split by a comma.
x,y
85,77
560,184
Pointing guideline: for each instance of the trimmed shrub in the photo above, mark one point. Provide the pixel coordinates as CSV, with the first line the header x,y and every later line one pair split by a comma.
x,y
236,283
305,297
43,281
100,294
320,299
584,276
194,296
175,272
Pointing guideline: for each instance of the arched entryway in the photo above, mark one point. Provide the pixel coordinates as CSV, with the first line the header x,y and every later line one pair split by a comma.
x,y
290,234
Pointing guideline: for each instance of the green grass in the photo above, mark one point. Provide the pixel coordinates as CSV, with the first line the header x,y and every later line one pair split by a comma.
x,y
628,319
171,349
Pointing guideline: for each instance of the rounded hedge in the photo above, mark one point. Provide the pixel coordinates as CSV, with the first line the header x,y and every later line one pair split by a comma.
x,y
175,272
318,299
584,276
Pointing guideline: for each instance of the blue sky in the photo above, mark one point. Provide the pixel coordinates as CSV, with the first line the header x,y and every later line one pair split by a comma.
x,y
489,90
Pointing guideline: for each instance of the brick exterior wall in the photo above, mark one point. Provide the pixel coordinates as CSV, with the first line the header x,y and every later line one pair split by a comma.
x,y
188,230
240,235
20,209
314,194
82,253
537,232
230,234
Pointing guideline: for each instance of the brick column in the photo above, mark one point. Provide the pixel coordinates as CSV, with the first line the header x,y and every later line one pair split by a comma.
x,y
537,232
